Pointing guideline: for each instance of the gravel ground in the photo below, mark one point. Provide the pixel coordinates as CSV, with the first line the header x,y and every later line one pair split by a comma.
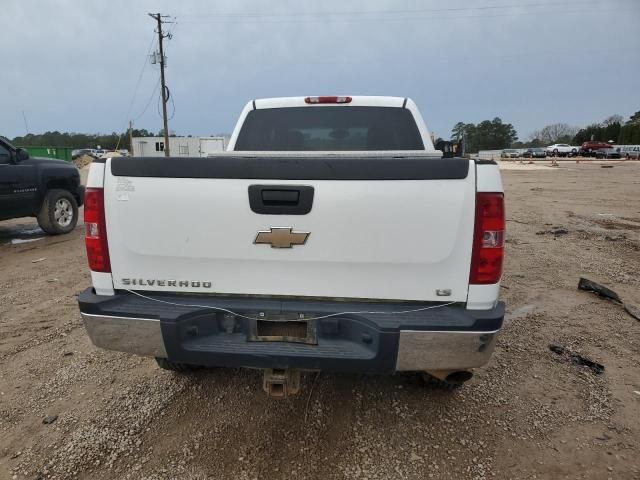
x,y
69,410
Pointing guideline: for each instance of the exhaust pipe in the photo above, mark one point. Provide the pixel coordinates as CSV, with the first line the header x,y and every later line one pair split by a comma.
x,y
459,377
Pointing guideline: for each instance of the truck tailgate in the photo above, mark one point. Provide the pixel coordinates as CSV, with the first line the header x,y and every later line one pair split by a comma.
x,y
379,228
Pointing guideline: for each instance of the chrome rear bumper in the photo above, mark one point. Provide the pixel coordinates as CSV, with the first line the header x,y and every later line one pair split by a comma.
x,y
450,350
449,338
417,350
141,336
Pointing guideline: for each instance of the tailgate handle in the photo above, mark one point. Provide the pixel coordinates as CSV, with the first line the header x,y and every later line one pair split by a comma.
x,y
281,199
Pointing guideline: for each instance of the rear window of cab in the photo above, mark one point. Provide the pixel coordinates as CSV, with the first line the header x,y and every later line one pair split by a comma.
x,y
329,128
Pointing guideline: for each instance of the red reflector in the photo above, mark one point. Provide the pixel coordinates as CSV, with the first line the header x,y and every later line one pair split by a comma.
x,y
96,231
488,239
327,100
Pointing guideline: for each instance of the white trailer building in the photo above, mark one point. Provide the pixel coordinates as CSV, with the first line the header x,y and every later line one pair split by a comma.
x,y
179,146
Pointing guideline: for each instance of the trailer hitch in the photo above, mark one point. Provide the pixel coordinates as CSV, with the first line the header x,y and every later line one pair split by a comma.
x,y
280,384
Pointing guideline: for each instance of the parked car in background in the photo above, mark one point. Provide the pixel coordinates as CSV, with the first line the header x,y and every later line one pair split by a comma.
x,y
509,153
534,153
82,151
588,149
607,153
630,152
561,150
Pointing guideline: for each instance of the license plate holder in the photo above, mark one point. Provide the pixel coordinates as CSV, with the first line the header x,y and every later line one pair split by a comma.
x,y
291,328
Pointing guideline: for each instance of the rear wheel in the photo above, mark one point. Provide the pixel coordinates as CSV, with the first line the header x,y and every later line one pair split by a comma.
x,y
176,367
59,212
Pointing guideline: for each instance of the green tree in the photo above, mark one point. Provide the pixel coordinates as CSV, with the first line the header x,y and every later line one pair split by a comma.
x,y
634,119
458,131
487,135
77,140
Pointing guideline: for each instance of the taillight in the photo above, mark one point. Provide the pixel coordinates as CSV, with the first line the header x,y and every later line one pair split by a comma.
x,y
96,231
327,100
488,239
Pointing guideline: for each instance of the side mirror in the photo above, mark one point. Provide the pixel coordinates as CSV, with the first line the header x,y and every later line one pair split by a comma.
x,y
21,154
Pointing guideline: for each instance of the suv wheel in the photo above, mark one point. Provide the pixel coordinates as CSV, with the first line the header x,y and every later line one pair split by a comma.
x,y
59,212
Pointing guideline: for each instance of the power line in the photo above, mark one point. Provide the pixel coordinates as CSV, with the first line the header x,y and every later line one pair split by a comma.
x,y
144,65
170,35
417,18
384,16
173,108
26,125
153,94
173,105
383,12
135,90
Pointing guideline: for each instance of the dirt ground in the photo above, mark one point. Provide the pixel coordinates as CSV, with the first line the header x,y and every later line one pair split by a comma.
x,y
530,414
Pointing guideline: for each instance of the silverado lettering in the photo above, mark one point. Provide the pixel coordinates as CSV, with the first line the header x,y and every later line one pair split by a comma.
x,y
162,283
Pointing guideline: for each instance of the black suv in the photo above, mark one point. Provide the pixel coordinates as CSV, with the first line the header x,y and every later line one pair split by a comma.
x,y
44,188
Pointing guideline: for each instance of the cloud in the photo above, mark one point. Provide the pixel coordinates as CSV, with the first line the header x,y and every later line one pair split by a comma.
x,y
73,65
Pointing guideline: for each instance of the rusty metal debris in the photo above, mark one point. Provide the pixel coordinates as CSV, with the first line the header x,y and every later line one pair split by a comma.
x,y
602,291
632,310
554,231
576,358
591,286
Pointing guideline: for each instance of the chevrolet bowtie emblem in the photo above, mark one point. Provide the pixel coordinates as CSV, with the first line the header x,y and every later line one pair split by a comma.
x,y
281,237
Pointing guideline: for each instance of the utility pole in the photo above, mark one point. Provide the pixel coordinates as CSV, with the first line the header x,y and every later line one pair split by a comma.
x,y
165,96
130,138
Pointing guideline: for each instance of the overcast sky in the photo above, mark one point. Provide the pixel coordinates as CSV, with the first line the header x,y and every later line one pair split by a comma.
x,y
73,65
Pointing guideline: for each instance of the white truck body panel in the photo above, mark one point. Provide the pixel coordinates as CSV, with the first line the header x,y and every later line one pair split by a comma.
x,y
368,239
381,239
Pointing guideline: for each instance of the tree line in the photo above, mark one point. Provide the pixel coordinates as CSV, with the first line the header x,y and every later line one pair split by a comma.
x,y
486,135
496,135
109,141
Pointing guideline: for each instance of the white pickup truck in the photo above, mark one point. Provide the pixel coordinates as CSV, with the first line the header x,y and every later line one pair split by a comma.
x,y
332,236
561,150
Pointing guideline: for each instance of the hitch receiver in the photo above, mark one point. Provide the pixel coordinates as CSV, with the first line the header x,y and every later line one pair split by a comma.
x,y
280,384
